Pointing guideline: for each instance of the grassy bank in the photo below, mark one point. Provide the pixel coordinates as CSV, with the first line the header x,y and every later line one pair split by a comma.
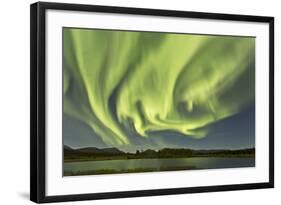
x,y
124,157
137,170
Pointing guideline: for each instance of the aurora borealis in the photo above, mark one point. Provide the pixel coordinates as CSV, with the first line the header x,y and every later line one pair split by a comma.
x,y
125,89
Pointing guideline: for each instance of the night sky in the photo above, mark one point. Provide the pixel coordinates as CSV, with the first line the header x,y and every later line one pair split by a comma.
x,y
141,90
234,132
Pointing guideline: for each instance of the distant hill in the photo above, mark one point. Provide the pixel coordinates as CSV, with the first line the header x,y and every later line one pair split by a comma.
x,y
100,151
94,153
149,152
67,147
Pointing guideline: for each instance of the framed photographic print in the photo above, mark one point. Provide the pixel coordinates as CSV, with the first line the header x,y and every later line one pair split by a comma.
x,y
129,102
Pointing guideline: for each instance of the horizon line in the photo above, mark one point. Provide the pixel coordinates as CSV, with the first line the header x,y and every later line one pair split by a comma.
x,y
195,149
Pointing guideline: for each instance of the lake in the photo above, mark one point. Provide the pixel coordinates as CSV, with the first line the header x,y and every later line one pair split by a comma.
x,y
144,165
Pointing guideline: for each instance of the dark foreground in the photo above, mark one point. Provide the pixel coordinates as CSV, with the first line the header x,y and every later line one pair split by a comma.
x,y
96,154
154,165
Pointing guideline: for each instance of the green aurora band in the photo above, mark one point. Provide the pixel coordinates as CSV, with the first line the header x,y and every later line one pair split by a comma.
x,y
123,83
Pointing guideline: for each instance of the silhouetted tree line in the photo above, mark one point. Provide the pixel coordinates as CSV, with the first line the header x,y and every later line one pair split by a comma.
x,y
149,153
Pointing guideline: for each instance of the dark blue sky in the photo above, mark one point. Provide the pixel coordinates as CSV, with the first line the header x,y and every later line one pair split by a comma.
x,y
234,132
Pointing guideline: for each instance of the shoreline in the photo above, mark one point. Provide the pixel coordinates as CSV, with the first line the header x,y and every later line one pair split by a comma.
x,y
172,157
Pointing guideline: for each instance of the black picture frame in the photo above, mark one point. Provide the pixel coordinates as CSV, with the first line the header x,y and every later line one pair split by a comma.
x,y
38,101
